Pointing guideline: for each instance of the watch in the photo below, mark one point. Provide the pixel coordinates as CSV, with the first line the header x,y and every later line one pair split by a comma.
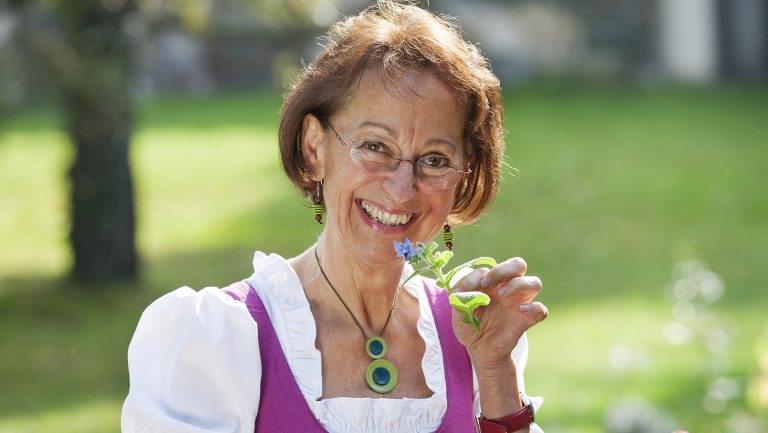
x,y
510,423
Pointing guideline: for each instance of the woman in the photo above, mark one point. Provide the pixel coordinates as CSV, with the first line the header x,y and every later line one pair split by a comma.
x,y
395,132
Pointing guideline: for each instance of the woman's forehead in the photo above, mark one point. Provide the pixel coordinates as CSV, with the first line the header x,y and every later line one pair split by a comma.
x,y
413,102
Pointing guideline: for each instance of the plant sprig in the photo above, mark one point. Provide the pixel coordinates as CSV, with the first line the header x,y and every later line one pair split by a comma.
x,y
427,258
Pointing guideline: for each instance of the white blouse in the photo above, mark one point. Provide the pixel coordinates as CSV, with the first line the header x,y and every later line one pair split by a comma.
x,y
194,363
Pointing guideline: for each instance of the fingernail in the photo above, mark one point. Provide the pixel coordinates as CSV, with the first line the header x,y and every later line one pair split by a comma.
x,y
526,307
503,291
484,283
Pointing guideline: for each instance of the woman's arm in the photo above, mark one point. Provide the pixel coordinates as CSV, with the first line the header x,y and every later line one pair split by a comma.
x,y
520,360
499,390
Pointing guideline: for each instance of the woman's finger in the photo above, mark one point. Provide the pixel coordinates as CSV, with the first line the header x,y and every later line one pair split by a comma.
x,y
528,285
471,281
535,310
505,270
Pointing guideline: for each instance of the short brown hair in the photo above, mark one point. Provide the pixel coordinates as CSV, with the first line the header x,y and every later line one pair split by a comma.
x,y
397,37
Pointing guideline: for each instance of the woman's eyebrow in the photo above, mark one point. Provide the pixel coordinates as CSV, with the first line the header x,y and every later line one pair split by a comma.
x,y
391,132
443,141
378,125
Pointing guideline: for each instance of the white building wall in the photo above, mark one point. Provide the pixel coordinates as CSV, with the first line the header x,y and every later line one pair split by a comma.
x,y
688,39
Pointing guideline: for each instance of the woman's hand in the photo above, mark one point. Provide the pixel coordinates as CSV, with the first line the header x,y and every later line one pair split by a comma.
x,y
511,312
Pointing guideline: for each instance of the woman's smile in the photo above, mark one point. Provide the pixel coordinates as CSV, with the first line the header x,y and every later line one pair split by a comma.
x,y
385,220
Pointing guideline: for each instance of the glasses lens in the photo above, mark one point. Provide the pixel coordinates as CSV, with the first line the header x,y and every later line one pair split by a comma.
x,y
446,180
438,171
436,174
372,158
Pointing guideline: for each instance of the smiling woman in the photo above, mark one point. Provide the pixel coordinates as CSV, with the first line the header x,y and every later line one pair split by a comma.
x,y
394,42
395,132
367,186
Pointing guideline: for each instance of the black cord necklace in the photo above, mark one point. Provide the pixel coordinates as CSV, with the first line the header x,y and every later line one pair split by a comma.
x,y
381,375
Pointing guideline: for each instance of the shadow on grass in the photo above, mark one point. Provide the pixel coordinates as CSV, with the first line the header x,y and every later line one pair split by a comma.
x,y
66,343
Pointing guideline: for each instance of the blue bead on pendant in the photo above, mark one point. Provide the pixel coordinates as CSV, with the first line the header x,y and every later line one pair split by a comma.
x,y
381,376
376,347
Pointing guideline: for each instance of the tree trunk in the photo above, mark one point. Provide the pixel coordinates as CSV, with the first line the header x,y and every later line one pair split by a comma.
x,y
99,116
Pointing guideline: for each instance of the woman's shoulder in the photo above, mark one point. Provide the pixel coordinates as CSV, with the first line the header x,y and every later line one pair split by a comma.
x,y
275,282
217,310
186,300
270,269
209,315
209,303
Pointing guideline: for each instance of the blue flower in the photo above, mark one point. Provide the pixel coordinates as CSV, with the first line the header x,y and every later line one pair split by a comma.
x,y
406,249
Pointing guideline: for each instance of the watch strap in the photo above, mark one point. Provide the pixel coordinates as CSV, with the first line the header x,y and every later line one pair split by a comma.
x,y
510,423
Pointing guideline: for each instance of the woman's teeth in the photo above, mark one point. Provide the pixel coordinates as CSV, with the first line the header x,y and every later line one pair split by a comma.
x,y
383,216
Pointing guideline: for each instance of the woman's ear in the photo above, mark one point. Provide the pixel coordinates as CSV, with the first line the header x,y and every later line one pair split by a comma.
x,y
312,147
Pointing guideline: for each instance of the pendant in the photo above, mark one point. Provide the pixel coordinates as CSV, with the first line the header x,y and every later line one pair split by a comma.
x,y
381,375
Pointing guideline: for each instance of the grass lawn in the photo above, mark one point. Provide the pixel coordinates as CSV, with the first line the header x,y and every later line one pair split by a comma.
x,y
613,189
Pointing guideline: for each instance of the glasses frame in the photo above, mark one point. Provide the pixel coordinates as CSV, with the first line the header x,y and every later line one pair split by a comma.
x,y
397,160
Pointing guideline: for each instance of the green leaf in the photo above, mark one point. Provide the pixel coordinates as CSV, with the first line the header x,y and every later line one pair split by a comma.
x,y
442,258
470,300
467,302
482,262
429,249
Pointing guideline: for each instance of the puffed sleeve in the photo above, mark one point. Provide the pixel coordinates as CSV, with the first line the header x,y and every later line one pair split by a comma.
x,y
194,366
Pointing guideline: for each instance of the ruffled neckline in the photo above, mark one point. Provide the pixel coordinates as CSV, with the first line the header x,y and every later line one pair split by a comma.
x,y
279,288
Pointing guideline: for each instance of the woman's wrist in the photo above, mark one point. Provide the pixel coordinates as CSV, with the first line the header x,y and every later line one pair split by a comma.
x,y
492,366
499,392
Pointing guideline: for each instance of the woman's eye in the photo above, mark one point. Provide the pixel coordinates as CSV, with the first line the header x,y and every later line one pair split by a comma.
x,y
374,146
437,161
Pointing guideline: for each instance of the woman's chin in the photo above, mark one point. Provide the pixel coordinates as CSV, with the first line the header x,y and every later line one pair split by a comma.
x,y
378,252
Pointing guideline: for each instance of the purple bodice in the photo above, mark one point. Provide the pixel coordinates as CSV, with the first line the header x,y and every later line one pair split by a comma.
x,y
282,408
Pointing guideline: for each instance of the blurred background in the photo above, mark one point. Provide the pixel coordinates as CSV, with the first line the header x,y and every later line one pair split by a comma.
x,y
138,154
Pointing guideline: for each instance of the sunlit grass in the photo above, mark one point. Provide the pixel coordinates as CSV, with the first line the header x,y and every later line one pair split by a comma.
x,y
96,417
33,201
614,188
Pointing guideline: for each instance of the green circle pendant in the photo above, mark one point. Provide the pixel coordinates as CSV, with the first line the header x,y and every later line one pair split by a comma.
x,y
376,347
381,376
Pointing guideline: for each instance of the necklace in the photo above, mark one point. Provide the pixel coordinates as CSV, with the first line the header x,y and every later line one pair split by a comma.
x,y
381,375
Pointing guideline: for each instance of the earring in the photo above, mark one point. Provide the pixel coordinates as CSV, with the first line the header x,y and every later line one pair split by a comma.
x,y
318,207
448,237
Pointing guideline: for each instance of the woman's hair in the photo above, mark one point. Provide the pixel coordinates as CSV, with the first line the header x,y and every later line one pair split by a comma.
x,y
392,38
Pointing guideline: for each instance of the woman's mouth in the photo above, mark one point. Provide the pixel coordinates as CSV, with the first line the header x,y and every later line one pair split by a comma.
x,y
380,218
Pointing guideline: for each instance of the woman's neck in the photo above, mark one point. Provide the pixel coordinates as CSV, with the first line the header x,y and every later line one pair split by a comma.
x,y
367,288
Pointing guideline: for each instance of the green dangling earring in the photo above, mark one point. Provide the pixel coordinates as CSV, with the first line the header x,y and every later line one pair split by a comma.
x,y
448,237
318,207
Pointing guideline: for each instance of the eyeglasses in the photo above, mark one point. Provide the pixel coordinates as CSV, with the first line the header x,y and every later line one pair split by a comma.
x,y
434,169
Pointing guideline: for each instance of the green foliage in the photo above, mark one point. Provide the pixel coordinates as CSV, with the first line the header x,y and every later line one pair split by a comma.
x,y
428,259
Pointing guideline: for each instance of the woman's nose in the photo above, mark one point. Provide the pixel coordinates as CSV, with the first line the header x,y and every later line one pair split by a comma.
x,y
400,184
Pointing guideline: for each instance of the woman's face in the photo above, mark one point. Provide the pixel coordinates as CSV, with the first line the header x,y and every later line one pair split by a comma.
x,y
368,209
